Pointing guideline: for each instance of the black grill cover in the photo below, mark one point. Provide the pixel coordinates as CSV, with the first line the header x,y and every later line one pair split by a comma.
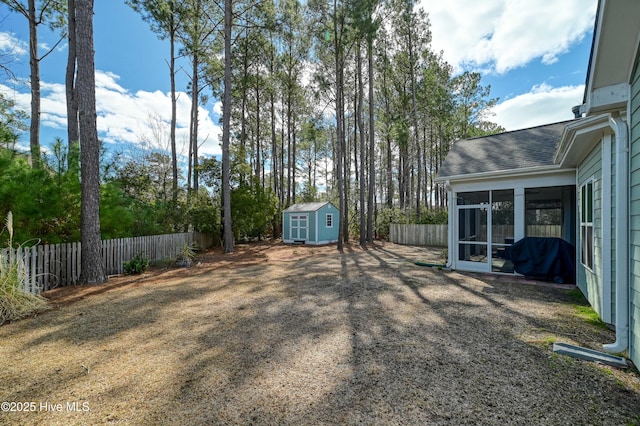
x,y
550,259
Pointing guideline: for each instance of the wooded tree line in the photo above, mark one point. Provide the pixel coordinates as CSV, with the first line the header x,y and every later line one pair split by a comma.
x,y
324,100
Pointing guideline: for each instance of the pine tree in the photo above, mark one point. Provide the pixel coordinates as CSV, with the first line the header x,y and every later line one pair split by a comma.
x,y
92,271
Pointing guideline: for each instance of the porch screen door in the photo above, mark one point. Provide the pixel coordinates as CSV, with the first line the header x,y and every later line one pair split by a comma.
x,y
473,217
485,230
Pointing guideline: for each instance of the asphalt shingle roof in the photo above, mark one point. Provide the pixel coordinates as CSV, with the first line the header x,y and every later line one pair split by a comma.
x,y
513,150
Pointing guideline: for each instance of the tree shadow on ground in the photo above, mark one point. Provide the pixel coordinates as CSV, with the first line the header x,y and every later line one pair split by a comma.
x,y
357,337
368,344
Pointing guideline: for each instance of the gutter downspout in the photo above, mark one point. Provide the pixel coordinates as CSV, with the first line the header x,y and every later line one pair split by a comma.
x,y
622,264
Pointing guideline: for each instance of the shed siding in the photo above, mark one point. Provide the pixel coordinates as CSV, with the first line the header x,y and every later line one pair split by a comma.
x,y
286,231
590,282
634,221
317,232
325,233
311,227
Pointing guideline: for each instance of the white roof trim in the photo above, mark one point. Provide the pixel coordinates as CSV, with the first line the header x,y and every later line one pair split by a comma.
x,y
579,137
571,130
607,97
528,171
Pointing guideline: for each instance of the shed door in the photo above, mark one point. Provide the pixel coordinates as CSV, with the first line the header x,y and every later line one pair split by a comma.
x,y
299,227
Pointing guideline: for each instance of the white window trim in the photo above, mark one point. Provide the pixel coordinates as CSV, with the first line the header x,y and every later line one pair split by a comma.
x,y
329,218
587,224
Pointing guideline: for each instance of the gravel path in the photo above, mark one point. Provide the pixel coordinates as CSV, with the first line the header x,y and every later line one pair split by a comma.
x,y
311,336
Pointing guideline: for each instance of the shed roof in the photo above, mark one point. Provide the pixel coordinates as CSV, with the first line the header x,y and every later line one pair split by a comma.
x,y
306,207
518,149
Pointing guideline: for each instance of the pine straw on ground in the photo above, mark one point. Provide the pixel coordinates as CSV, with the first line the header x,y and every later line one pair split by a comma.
x,y
277,334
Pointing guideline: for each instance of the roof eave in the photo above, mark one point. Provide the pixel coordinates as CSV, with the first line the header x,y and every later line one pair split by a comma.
x,y
525,171
577,138
613,52
320,204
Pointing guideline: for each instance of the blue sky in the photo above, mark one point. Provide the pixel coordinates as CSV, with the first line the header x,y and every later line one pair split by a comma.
x,y
533,53
132,79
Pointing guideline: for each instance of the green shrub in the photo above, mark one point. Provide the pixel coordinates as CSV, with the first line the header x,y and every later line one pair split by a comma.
x,y
187,255
431,217
137,265
385,217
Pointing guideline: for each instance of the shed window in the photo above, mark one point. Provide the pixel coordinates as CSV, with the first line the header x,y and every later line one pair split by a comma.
x,y
586,224
329,220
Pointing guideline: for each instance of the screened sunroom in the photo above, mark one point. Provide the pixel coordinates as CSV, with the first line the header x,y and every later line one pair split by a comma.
x,y
488,222
503,188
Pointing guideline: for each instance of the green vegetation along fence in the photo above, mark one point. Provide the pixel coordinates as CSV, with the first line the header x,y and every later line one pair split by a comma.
x,y
53,265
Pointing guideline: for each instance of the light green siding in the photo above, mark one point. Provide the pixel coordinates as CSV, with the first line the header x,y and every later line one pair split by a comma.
x,y
590,281
634,221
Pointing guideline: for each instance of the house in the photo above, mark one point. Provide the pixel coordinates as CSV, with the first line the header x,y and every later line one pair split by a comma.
x,y
604,148
310,223
590,186
503,188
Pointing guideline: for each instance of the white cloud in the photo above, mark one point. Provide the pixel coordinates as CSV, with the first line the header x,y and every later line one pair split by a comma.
x,y
505,34
217,108
501,35
11,45
123,116
542,105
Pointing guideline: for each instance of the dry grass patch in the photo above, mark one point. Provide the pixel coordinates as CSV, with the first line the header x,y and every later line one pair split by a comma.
x,y
275,334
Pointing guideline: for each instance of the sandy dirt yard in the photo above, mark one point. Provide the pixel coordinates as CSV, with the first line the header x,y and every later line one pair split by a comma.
x,y
298,335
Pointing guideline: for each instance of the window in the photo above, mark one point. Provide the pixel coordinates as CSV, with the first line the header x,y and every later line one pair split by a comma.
x,y
329,220
586,224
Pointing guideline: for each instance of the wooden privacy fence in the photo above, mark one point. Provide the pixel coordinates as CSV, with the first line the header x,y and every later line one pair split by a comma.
x,y
48,266
436,235
419,235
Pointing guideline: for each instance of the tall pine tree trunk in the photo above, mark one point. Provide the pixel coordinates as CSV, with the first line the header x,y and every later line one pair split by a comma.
x,y
339,129
73,137
172,72
360,90
414,118
196,118
293,162
289,130
34,64
258,144
226,131
92,271
274,150
282,153
372,173
274,139
389,158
